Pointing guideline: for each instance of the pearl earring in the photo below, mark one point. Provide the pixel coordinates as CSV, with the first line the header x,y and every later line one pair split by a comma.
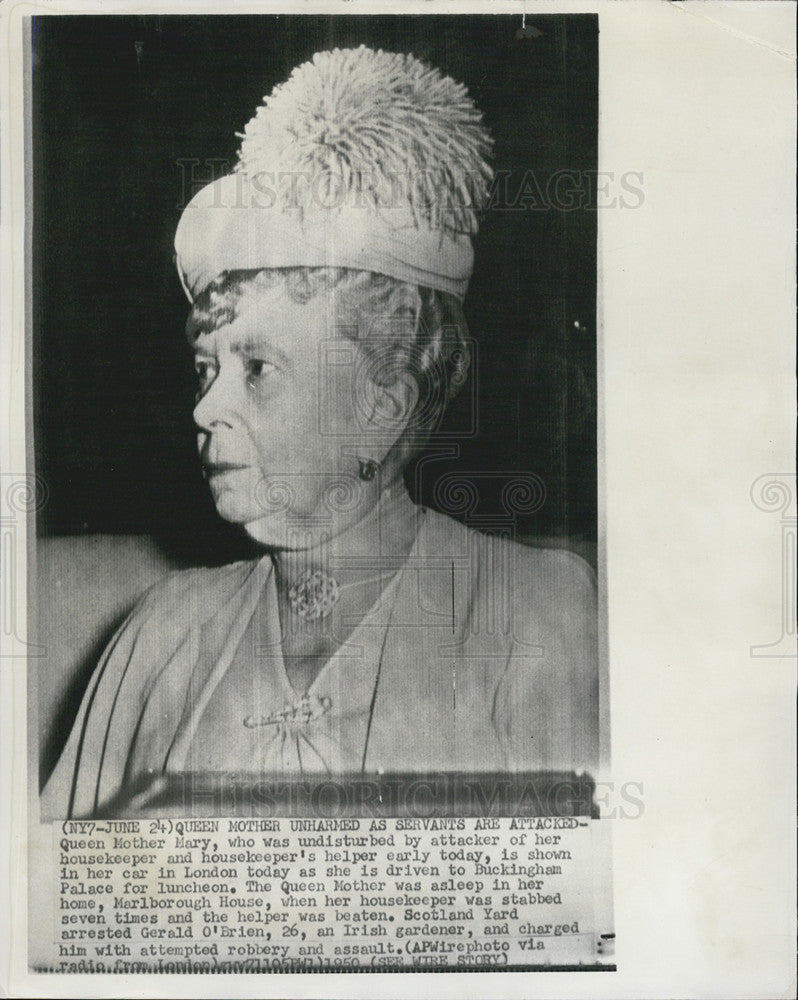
x,y
368,469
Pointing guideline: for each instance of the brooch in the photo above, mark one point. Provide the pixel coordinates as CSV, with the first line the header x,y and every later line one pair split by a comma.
x,y
314,595
309,708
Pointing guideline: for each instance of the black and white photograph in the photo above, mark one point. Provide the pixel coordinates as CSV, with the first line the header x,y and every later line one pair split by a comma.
x,y
315,400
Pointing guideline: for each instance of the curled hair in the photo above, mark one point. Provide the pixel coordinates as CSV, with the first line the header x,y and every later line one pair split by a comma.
x,y
403,330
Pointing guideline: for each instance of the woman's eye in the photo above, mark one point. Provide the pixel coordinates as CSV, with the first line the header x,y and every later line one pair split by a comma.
x,y
205,372
257,369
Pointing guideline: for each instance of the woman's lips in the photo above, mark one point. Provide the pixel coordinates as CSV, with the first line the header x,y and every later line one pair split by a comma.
x,y
219,468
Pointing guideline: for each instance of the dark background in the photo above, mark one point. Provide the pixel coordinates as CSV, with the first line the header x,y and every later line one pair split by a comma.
x,y
121,105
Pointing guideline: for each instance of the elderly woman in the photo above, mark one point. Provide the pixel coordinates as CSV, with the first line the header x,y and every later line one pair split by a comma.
x,y
326,276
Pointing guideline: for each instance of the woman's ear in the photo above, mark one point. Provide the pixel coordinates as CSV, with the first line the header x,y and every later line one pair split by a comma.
x,y
390,370
393,404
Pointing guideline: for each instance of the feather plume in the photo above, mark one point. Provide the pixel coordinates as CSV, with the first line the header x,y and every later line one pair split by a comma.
x,y
379,126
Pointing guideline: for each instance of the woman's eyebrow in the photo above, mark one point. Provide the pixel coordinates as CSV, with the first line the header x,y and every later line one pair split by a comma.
x,y
206,348
258,345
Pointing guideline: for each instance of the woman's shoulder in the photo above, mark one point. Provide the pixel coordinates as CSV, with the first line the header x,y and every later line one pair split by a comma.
x,y
531,569
198,588
536,596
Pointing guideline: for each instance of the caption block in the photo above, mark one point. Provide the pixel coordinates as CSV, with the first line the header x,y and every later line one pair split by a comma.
x,y
257,895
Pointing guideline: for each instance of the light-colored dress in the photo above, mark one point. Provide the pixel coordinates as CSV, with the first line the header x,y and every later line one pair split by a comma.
x,y
270,727
481,655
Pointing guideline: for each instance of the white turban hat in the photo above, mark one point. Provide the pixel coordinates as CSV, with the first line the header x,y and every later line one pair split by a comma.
x,y
363,159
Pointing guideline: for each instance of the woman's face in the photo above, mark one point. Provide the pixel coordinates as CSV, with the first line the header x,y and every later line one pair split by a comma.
x,y
280,426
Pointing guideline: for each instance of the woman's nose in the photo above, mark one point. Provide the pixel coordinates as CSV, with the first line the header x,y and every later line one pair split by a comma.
x,y
215,406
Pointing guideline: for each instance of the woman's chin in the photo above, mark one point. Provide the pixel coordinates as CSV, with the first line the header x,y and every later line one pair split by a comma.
x,y
235,509
231,508
269,531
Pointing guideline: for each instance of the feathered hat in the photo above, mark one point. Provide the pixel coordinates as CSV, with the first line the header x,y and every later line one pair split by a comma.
x,y
362,158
